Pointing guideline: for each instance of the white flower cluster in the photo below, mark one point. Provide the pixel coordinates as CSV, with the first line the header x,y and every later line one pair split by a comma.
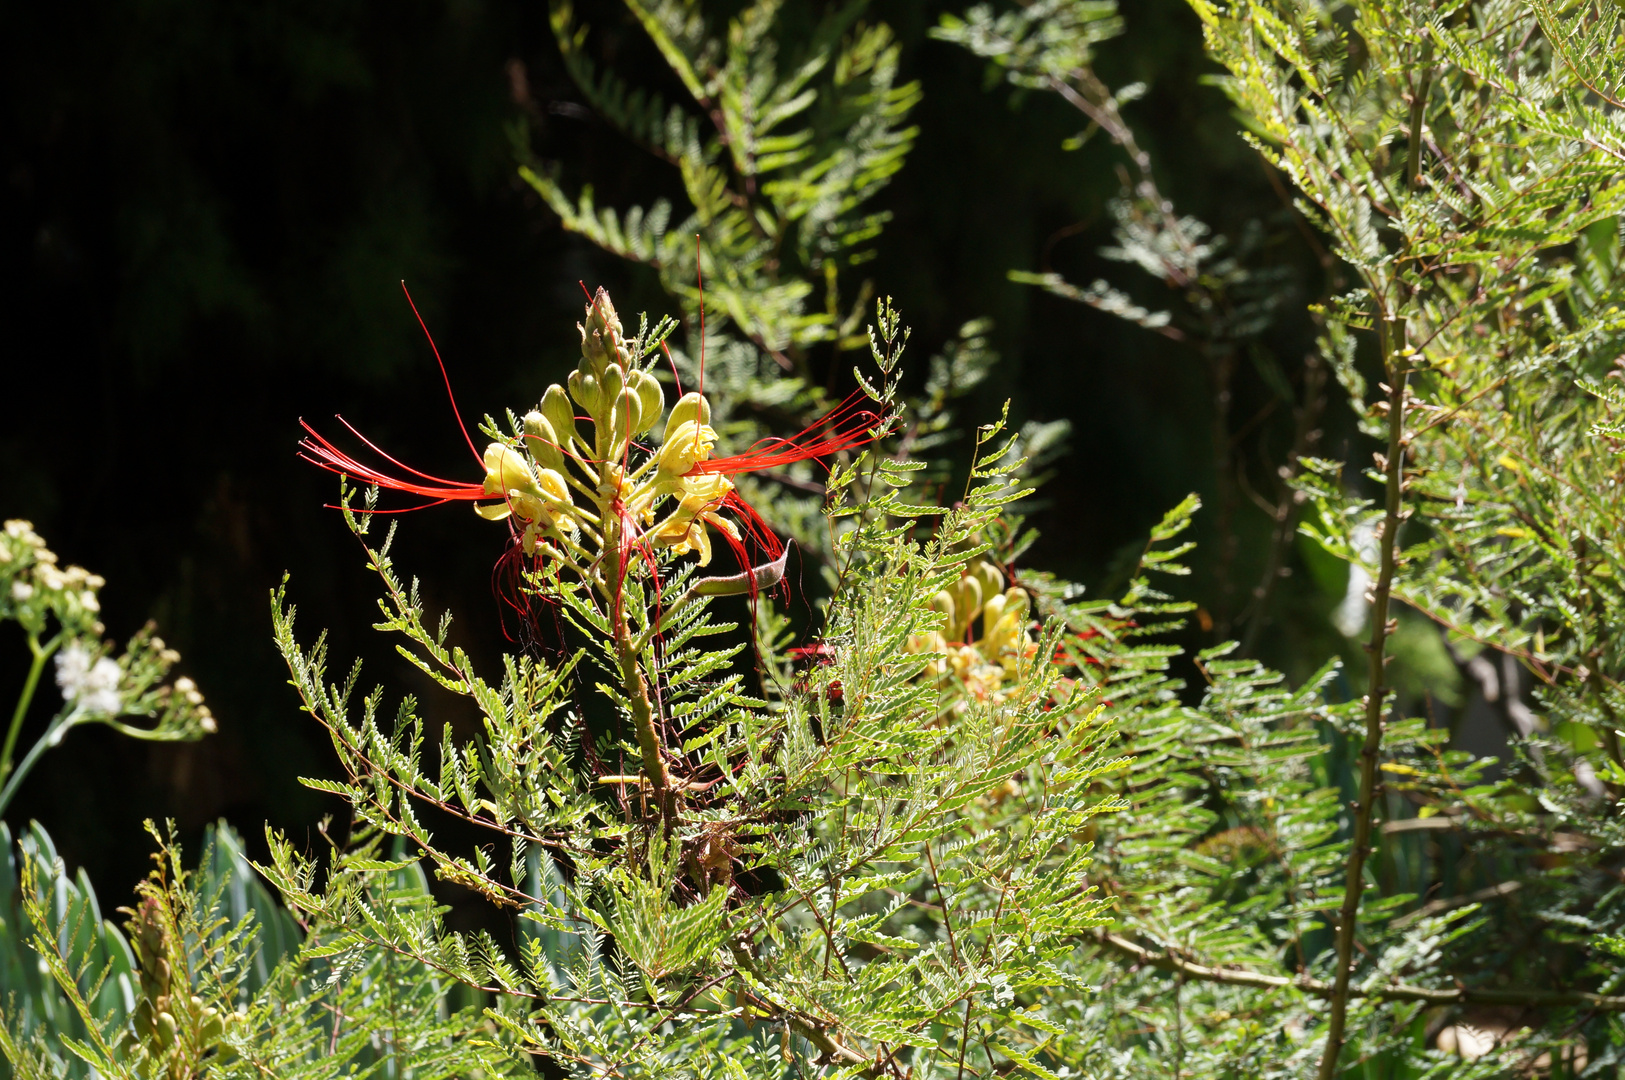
x,y
91,685
39,584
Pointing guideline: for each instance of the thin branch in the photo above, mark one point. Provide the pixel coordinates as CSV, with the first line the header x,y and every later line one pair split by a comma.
x,y
1164,960
1396,365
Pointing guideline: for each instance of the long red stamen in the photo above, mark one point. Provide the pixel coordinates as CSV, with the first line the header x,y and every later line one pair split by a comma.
x,y
453,397
849,427
699,279
317,450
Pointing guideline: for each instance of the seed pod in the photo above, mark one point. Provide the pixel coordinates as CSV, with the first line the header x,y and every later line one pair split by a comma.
x,y
542,442
584,388
651,401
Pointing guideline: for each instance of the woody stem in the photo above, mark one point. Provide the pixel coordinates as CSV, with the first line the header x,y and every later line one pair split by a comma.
x,y
1376,696
627,654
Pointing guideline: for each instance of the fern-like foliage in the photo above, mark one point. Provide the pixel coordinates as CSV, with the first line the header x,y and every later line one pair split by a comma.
x,y
1291,848
780,146
854,867
781,141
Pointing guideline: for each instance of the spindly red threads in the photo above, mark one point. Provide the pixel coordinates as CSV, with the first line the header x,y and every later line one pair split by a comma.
x,y
317,450
845,427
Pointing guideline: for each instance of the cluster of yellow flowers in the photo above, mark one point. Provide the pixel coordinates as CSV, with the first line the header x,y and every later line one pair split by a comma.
x,y
985,666
622,403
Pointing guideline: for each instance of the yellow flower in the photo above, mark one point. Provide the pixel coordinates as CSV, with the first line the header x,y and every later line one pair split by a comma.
x,y
685,529
690,443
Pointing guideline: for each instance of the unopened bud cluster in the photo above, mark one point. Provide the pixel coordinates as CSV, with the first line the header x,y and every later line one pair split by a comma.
x,y
984,642
175,1024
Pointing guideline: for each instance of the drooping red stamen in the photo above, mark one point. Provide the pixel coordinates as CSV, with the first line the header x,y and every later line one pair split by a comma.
x,y
755,531
317,450
848,427
452,397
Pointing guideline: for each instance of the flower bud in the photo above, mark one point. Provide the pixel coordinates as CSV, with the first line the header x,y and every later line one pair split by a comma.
x,y
560,414
601,335
611,411
542,441
611,382
991,612
506,471
651,401
622,424
991,576
690,406
968,596
584,388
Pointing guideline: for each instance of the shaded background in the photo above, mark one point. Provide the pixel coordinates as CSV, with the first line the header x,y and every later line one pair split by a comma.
x,y
206,212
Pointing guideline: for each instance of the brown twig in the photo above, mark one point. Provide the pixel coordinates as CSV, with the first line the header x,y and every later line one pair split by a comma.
x,y
1396,365
1546,999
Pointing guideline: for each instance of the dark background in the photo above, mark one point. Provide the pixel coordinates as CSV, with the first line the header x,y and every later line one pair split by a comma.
x,y
206,212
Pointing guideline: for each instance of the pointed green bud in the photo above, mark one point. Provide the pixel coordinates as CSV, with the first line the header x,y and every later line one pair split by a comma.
x,y
560,414
584,388
691,406
543,442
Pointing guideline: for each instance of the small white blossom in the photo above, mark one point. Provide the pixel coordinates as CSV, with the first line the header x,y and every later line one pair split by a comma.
x,y
91,686
22,591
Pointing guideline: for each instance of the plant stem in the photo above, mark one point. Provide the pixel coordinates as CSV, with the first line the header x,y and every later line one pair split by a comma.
x,y
26,698
1418,117
627,654
1376,693
1234,976
51,737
